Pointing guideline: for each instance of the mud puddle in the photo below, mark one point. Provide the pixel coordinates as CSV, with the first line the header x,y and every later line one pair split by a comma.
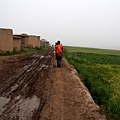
x,y
23,109
3,101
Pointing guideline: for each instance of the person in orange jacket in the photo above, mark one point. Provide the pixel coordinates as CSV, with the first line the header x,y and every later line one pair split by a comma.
x,y
59,51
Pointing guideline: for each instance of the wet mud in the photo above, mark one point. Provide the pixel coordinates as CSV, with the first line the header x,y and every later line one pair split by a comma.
x,y
23,86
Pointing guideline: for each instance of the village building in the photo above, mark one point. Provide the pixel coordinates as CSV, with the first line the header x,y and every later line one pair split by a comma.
x,y
24,38
33,41
30,40
45,42
6,39
10,42
16,43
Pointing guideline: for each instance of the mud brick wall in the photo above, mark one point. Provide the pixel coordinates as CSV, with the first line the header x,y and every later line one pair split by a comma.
x,y
24,40
33,41
16,43
6,39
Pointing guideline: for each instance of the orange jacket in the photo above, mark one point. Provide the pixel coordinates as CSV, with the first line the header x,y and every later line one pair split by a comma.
x,y
59,48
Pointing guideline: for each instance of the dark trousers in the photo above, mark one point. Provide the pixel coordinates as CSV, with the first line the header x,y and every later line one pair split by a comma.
x,y
58,58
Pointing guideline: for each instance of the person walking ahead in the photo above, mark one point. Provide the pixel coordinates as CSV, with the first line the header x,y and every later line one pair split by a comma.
x,y
59,53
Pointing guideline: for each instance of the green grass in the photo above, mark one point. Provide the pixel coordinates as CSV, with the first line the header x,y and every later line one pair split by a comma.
x,y
7,53
101,75
41,48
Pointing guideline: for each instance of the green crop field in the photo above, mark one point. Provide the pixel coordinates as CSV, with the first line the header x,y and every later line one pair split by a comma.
x,y
92,50
99,70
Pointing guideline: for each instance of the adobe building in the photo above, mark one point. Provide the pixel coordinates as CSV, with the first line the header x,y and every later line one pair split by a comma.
x,y
16,42
24,40
30,40
6,39
33,41
45,42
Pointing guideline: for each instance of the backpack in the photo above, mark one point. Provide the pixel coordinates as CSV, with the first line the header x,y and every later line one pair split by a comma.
x,y
60,50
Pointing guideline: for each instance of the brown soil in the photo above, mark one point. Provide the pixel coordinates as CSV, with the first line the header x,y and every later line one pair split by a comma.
x,y
31,88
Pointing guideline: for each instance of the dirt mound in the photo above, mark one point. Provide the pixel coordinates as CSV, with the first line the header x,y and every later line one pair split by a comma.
x,y
32,88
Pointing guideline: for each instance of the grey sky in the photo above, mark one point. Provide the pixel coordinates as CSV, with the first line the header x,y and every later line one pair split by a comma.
x,y
85,23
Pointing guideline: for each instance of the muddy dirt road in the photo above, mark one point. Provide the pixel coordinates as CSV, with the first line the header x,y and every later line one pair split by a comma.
x,y
31,88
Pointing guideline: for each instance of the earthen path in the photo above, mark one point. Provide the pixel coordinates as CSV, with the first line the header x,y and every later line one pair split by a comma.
x,y
36,90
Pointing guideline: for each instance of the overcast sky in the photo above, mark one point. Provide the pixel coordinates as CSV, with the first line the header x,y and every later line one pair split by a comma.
x,y
84,23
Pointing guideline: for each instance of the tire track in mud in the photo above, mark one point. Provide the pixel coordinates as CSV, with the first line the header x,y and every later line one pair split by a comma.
x,y
26,90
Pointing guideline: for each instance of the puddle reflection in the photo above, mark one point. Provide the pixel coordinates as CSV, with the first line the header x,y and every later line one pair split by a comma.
x,y
3,101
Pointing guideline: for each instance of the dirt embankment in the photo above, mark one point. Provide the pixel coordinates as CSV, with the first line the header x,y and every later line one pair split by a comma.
x,y
33,89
